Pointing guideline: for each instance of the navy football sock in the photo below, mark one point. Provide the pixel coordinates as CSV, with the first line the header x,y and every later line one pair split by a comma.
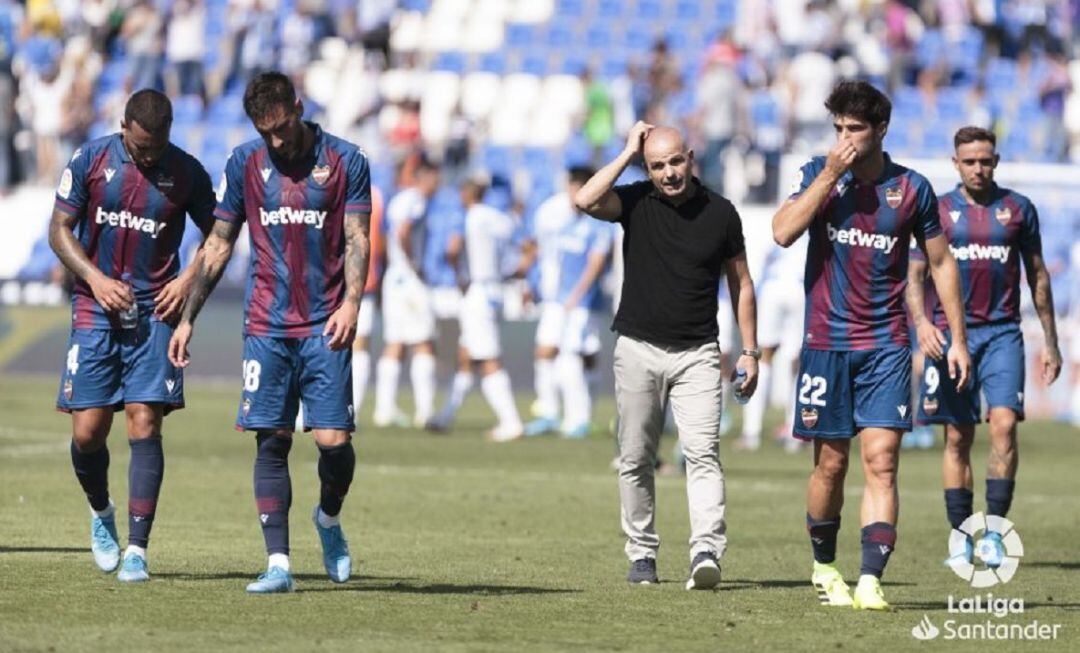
x,y
92,470
999,495
145,473
878,543
823,537
958,502
336,465
273,490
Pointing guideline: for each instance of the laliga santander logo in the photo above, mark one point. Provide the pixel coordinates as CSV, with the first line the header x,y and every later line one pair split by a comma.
x,y
985,549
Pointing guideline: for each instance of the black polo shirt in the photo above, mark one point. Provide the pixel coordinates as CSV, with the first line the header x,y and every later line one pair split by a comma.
x,y
674,258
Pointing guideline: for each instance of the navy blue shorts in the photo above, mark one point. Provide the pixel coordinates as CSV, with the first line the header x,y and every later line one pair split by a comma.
x,y
279,373
113,367
997,370
840,392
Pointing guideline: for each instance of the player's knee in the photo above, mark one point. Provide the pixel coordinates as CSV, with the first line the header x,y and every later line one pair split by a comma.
x,y
143,421
330,438
704,453
881,467
1003,424
831,468
958,441
89,439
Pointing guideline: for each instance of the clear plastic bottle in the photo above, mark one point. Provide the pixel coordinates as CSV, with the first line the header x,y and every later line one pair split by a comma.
x,y
740,379
129,318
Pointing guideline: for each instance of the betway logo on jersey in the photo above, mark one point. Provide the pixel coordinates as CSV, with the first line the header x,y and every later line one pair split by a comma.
x,y
288,215
128,220
858,238
976,252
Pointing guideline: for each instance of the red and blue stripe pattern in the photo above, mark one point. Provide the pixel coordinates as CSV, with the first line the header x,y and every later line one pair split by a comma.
x,y
856,262
988,243
130,220
296,223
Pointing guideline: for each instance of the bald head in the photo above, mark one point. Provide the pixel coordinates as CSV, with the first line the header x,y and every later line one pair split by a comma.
x,y
669,162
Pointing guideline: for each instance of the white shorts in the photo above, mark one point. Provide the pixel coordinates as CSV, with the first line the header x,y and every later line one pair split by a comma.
x,y
365,320
549,326
480,323
446,302
407,314
781,306
580,332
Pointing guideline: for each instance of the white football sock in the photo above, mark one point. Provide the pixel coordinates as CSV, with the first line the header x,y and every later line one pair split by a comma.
x,y
326,521
131,548
278,560
422,375
577,403
106,513
546,384
754,410
459,389
361,371
500,396
386,384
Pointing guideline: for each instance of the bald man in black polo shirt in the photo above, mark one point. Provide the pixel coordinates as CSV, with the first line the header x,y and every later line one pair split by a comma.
x,y
680,238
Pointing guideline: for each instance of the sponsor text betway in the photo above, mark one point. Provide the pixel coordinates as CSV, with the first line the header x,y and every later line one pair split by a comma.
x,y
128,220
976,252
859,238
288,215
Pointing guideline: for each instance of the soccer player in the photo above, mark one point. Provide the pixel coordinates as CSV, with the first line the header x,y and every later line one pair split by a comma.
x,y
584,248
365,323
306,198
861,209
990,230
551,216
117,226
408,318
782,307
487,238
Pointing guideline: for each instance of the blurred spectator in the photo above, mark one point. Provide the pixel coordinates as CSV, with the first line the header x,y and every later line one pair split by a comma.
x,y
11,17
297,39
46,93
142,33
98,15
185,47
257,46
716,114
810,77
373,25
1052,91
599,127
664,81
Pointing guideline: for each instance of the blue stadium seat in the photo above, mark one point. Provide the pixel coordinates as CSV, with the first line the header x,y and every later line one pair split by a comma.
x,y
599,36
453,62
521,35
559,37
652,10
688,11
570,8
416,5
187,109
574,63
493,62
608,9
535,64
496,159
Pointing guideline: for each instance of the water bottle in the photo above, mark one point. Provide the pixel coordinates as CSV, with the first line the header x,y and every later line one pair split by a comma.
x,y
129,318
737,385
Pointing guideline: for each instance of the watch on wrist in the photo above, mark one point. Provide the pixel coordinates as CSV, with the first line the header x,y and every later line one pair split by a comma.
x,y
752,353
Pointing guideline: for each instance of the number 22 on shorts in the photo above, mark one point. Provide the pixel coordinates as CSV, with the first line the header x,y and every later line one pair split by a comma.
x,y
812,390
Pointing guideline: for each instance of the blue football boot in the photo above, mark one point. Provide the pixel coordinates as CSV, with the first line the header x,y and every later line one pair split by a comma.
x,y
276,580
104,543
133,570
335,550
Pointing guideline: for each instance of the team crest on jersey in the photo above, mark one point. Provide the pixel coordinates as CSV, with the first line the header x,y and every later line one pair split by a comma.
x,y
165,182
69,389
955,215
64,189
246,407
1003,215
265,174
929,405
320,174
809,417
109,172
893,197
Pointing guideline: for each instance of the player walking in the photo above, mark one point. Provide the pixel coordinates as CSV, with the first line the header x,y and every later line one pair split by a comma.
x,y
306,198
117,226
861,209
990,230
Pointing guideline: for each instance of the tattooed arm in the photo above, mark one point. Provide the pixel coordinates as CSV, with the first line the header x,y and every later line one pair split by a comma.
x,y
341,327
216,251
113,295
1038,278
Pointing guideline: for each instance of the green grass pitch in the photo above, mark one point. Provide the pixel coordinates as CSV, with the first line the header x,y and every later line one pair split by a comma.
x,y
464,545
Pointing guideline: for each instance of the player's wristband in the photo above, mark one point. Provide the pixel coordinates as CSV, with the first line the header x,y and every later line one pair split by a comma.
x,y
752,353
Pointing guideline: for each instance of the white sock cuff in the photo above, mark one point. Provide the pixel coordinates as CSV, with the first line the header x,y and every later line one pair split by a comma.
x,y
278,560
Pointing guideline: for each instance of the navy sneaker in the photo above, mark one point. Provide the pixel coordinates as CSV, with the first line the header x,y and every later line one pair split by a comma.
x,y
643,572
704,572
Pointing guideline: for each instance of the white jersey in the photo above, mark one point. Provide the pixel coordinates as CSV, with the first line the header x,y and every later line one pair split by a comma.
x,y
551,217
407,207
487,239
786,264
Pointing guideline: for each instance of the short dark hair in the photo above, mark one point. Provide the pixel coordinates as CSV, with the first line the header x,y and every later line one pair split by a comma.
x,y
150,109
971,134
580,174
859,100
267,91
